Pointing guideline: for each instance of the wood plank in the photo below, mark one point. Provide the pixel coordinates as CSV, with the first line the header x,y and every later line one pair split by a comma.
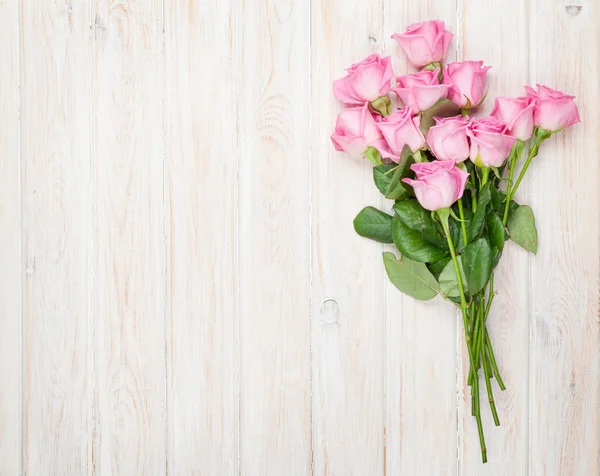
x,y
347,271
10,244
564,180
129,286
203,359
57,238
420,366
505,49
274,270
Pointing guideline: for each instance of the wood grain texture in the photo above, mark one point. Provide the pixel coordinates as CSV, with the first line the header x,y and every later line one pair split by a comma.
x,y
181,288
55,157
421,413
347,294
11,264
129,281
203,359
274,271
564,299
506,49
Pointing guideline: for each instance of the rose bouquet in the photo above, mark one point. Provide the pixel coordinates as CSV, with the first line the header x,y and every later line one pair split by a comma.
x,y
451,178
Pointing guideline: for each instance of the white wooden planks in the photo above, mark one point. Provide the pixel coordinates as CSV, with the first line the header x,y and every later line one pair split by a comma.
x,y
129,280
347,292
203,358
274,237
11,265
564,291
506,50
177,237
420,336
55,167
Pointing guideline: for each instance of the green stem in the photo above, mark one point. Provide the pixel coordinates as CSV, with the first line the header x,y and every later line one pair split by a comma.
x,y
481,352
511,173
488,344
463,226
539,138
487,372
443,214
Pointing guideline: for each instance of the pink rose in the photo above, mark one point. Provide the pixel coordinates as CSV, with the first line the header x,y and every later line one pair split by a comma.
x,y
399,129
554,110
448,138
439,183
355,131
425,43
490,142
517,113
421,90
466,81
365,81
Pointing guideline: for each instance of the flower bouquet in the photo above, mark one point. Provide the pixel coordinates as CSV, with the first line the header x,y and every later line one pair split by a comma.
x,y
451,178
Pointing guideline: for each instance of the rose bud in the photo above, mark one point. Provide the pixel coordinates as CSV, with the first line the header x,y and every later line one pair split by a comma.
x,y
448,138
425,43
466,81
421,90
355,131
517,113
490,142
554,109
439,183
399,129
365,81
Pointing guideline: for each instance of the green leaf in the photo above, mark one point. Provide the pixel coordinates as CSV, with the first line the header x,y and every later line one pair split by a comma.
x,y
397,189
477,262
495,230
485,195
476,226
521,225
417,218
374,224
449,281
496,172
410,277
411,244
373,155
382,176
455,234
499,200
442,108
437,267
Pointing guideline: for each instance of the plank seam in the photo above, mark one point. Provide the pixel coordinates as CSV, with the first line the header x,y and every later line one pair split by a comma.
x,y
22,333
167,237
93,244
310,244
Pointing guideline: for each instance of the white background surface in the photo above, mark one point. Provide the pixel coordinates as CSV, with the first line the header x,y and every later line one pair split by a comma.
x,y
181,289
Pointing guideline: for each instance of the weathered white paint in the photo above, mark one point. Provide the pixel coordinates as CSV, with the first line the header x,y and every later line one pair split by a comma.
x,y
181,290
129,237
10,245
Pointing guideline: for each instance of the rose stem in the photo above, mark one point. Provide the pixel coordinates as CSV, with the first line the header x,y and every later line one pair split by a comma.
x,y
513,157
488,344
532,153
484,363
463,226
487,372
444,214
